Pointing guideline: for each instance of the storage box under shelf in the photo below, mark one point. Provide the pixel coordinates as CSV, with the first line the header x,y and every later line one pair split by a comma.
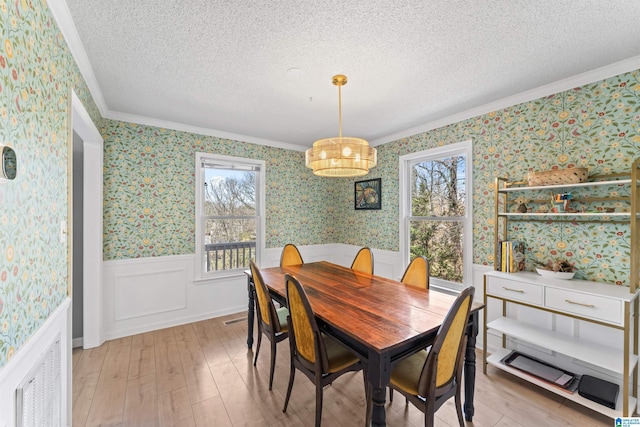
x,y
495,360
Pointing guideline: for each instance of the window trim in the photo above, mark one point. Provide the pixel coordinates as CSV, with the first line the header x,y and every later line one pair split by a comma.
x,y
200,274
406,161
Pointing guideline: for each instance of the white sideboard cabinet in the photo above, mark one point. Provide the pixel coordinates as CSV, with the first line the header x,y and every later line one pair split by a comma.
x,y
610,306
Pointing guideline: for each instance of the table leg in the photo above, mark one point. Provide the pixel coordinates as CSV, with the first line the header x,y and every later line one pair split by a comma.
x,y
250,311
378,375
470,366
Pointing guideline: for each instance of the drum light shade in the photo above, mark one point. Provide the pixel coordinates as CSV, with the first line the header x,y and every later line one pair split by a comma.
x,y
341,156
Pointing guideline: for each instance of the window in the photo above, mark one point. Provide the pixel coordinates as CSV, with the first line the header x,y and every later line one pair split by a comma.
x,y
229,213
436,212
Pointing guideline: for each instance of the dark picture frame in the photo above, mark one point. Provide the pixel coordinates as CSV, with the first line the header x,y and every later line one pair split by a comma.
x,y
368,194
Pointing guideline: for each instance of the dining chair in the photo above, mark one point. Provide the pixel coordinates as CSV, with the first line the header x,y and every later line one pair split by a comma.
x,y
272,322
317,355
431,377
417,273
290,255
363,261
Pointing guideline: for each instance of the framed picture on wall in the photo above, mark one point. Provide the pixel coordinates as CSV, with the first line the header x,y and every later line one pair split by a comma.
x,y
368,194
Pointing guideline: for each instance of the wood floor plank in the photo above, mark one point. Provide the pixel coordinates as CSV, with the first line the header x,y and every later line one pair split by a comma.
x,y
116,362
170,375
146,339
76,353
141,402
84,388
92,360
107,407
211,413
237,399
200,383
175,409
142,361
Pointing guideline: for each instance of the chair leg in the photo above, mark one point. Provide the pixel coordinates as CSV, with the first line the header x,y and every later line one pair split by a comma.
x,y
390,395
255,359
367,396
273,361
458,401
319,390
429,413
291,376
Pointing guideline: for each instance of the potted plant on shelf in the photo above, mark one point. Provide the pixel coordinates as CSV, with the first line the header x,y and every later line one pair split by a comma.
x,y
558,268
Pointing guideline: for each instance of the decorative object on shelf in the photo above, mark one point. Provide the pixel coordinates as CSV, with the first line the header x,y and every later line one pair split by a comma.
x,y
522,206
555,274
558,268
599,391
341,156
558,176
542,370
511,256
563,200
368,194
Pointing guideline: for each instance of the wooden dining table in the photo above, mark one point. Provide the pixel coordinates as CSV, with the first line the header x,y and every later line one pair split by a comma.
x,y
379,319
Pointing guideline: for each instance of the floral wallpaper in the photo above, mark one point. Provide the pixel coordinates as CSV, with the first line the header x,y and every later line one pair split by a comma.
x,y
149,193
595,126
37,73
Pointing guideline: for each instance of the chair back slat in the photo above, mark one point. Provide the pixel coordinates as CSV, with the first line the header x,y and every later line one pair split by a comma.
x,y
266,308
304,328
444,356
417,273
290,256
363,261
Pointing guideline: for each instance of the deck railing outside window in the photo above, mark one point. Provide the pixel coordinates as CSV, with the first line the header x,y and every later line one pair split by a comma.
x,y
229,256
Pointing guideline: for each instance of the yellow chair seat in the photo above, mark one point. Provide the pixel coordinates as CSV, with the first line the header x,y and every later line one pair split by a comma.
x,y
338,355
282,313
406,374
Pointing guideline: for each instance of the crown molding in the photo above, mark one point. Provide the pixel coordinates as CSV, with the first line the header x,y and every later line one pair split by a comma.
x,y
624,66
166,124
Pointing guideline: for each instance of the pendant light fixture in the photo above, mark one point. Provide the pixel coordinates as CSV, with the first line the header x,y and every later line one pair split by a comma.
x,y
341,156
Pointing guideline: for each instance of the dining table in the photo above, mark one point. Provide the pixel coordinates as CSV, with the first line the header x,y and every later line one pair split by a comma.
x,y
379,319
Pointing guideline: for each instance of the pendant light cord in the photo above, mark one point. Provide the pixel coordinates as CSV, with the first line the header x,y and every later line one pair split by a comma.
x,y
340,110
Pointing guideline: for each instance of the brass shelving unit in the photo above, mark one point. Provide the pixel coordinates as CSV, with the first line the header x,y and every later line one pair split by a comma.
x,y
586,301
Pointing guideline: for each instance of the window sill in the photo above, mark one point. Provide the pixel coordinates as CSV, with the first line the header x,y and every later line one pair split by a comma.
x,y
235,274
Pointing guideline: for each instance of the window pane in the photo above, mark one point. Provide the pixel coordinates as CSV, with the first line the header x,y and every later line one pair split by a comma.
x,y
441,243
438,187
229,193
229,243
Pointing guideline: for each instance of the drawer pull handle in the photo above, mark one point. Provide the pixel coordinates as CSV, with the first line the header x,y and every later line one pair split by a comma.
x,y
568,301
513,290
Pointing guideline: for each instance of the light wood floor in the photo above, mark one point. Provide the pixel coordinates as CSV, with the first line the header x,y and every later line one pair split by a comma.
x,y
201,374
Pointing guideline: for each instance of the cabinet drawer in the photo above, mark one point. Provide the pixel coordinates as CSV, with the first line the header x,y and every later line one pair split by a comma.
x,y
513,290
591,306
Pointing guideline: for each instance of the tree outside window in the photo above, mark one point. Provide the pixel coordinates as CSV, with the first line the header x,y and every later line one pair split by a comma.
x,y
436,226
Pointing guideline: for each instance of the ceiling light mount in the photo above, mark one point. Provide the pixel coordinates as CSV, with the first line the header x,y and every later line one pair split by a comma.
x,y
341,156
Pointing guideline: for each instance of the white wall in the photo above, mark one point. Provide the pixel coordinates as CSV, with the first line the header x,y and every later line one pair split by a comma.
x,y
20,365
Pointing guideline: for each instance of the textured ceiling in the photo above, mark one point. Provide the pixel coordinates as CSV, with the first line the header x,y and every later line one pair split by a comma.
x,y
222,65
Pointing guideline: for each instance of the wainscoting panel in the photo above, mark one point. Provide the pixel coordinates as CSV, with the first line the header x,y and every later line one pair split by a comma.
x,y
147,294
143,294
